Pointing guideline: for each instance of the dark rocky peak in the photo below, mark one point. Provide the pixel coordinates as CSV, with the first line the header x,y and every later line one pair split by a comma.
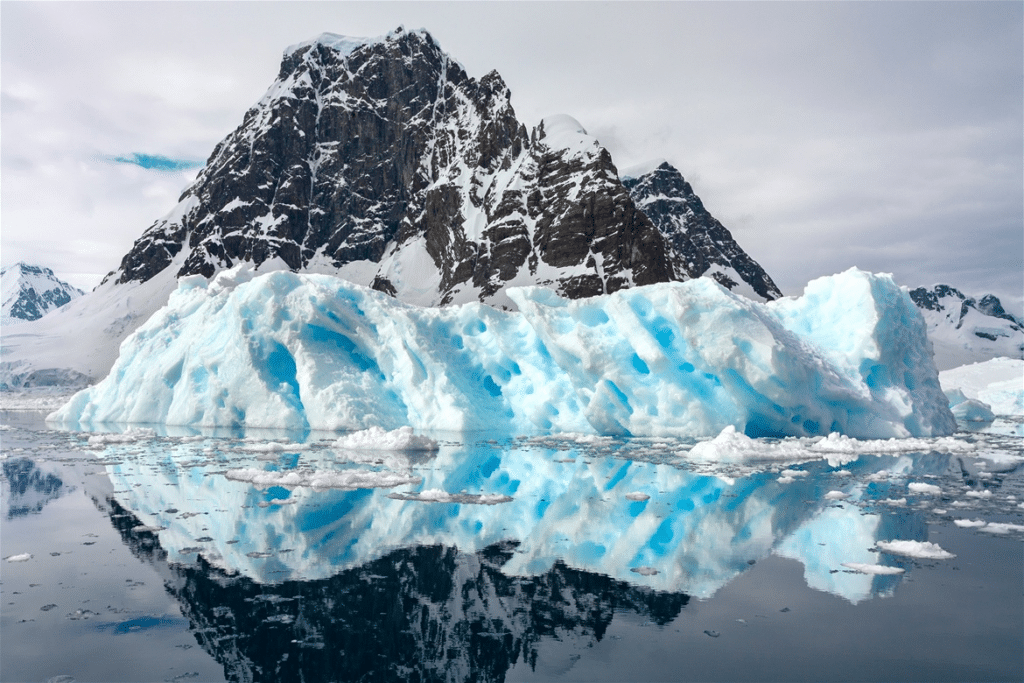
x,y
699,245
29,292
956,305
382,160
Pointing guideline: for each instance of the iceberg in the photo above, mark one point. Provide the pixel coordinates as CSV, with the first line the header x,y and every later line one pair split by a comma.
x,y
305,351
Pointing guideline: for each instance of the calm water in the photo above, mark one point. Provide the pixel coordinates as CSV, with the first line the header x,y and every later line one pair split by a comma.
x,y
152,559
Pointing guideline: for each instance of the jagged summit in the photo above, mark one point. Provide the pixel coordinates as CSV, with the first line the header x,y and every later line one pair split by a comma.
x,y
698,244
30,292
381,160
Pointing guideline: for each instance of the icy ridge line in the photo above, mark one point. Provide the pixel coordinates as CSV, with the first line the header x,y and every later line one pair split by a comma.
x,y
301,351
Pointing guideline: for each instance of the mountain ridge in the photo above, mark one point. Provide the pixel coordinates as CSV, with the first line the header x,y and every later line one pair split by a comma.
x,y
30,292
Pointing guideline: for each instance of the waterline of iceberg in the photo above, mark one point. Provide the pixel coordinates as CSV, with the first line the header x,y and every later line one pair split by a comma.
x,y
295,351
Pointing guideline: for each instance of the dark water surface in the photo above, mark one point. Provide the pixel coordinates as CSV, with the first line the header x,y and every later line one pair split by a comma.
x,y
154,558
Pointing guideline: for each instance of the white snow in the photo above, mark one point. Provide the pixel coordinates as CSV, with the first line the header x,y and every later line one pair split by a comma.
x,y
969,523
377,439
921,487
687,359
872,568
999,383
917,549
22,557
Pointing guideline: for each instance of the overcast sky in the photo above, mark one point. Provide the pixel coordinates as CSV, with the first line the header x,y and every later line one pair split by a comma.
x,y
883,135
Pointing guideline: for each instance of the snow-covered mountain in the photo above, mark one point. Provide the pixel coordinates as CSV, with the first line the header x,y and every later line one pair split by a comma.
x,y
30,292
965,329
382,158
698,244
381,161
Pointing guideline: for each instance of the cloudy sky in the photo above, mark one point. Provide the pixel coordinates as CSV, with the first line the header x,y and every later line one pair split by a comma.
x,y
884,135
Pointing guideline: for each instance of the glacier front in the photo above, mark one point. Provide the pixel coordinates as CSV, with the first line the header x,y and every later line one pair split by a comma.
x,y
689,358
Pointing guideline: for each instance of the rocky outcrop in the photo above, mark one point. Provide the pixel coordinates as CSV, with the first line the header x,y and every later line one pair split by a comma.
x,y
698,244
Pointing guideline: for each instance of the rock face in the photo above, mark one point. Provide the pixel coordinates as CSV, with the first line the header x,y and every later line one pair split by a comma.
x,y
30,292
698,244
381,160
966,329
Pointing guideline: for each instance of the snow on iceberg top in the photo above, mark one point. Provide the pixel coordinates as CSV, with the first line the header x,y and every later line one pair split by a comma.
x,y
346,45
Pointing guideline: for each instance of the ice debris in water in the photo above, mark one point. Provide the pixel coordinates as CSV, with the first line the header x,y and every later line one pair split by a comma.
x,y
872,568
921,487
323,479
968,523
377,439
133,434
644,571
439,496
918,549
307,351
23,557
637,496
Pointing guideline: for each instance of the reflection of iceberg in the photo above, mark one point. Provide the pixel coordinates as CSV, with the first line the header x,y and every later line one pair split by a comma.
x,y
312,351
429,613
697,530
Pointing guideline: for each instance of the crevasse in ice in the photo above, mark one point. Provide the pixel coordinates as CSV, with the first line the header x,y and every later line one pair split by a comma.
x,y
314,351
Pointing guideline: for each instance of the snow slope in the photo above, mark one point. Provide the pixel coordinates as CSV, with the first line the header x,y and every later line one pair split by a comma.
x,y
314,351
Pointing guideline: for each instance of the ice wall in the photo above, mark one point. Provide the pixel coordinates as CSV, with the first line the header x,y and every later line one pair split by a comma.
x,y
688,359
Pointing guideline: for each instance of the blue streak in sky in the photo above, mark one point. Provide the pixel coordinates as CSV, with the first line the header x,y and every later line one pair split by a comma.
x,y
155,162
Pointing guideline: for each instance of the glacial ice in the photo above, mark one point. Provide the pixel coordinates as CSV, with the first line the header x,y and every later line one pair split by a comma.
x,y
676,359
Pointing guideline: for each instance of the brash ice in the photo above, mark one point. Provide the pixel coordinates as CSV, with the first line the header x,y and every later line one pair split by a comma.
x,y
682,358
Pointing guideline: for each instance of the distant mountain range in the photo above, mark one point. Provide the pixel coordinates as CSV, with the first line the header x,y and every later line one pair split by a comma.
x,y
965,329
30,292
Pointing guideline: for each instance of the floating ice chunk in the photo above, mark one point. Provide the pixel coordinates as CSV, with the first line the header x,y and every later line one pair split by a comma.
x,y
133,434
984,493
969,523
786,480
645,571
267,447
683,359
1001,527
968,409
918,549
323,479
793,473
637,496
836,495
377,439
920,487
23,557
439,496
732,446
872,568
999,383
141,528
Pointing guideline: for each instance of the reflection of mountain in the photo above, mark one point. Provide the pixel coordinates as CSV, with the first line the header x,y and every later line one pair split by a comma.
x,y
427,613
31,488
